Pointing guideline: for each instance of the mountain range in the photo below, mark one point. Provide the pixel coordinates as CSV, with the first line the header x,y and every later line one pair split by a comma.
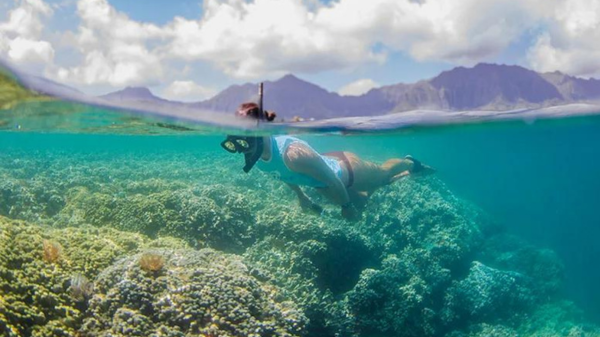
x,y
482,87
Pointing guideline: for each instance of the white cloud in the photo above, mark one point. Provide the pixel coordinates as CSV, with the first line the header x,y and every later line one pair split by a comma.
x,y
265,37
248,40
358,87
115,48
187,91
21,35
25,20
570,44
254,39
22,50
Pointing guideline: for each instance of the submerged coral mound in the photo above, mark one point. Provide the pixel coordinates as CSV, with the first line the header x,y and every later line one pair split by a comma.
x,y
487,293
44,273
196,293
104,282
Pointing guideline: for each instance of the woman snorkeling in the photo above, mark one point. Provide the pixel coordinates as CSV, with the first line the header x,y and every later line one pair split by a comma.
x,y
342,176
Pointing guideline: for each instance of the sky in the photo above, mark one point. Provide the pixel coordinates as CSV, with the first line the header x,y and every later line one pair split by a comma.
x,y
189,50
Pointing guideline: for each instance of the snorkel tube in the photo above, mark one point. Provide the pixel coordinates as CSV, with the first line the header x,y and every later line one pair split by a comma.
x,y
252,158
261,112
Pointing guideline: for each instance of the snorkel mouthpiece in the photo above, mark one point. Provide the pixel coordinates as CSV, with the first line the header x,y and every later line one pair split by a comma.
x,y
252,157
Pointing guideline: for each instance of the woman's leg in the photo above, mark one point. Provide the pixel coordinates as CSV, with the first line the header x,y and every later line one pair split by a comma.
x,y
369,176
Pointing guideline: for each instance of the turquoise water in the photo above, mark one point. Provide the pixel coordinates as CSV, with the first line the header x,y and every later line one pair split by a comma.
x,y
499,241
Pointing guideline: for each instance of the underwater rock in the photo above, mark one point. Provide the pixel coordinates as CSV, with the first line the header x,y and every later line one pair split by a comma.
x,y
222,223
199,292
215,216
312,258
396,299
557,318
37,294
16,200
487,293
337,253
26,195
430,218
485,330
560,318
283,264
542,266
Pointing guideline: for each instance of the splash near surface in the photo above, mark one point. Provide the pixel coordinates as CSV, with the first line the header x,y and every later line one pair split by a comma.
x,y
498,242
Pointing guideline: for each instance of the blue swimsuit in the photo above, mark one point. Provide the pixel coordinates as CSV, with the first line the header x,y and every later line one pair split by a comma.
x,y
277,167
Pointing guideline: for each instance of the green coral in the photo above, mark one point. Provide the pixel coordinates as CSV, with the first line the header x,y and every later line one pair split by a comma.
x,y
396,299
398,271
542,266
193,215
487,294
198,293
34,293
284,265
557,318
430,218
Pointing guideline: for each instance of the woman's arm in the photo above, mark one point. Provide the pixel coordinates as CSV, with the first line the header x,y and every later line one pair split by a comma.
x,y
304,200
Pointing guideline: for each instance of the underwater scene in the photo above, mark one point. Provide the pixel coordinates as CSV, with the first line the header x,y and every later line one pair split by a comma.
x,y
117,224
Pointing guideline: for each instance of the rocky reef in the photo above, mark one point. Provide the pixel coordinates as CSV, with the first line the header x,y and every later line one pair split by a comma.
x,y
47,289
163,245
38,265
194,293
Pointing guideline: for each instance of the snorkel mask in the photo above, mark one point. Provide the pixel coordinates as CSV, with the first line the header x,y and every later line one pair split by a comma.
x,y
251,147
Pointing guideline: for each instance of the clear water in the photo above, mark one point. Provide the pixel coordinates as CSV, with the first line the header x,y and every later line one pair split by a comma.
x,y
429,256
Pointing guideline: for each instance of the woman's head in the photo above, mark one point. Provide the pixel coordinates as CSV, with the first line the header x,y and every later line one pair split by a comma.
x,y
252,110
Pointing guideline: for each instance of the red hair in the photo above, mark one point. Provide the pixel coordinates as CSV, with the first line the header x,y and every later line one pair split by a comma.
x,y
251,109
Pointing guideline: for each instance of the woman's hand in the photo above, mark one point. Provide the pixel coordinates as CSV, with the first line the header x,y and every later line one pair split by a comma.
x,y
308,205
349,212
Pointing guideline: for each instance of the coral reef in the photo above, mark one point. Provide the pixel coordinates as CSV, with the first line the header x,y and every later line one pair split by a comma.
x,y
395,300
52,251
552,319
80,288
543,266
39,298
126,221
430,218
151,263
487,294
556,318
198,215
204,293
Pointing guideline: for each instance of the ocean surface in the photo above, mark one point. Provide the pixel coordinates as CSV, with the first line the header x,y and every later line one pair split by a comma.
x,y
154,229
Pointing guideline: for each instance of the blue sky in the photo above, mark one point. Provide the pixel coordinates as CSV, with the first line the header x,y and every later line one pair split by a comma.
x,y
189,50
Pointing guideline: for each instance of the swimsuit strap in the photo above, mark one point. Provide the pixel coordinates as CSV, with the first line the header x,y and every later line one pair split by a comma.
x,y
340,155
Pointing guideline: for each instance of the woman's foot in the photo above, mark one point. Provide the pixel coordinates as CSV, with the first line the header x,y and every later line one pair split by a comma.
x,y
310,206
419,167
